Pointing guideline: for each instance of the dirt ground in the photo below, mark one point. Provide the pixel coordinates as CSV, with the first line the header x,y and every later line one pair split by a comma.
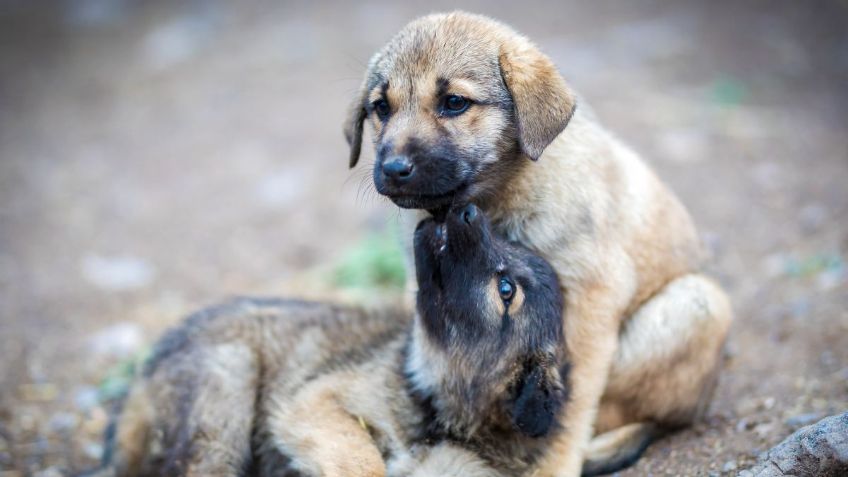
x,y
158,157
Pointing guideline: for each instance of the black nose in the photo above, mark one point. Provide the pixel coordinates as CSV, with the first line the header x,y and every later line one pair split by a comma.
x,y
398,168
469,213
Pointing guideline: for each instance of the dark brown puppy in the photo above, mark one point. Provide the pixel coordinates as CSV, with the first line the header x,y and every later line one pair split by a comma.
x,y
471,386
462,106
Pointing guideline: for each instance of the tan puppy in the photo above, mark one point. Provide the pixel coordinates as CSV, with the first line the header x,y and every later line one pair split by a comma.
x,y
471,387
464,107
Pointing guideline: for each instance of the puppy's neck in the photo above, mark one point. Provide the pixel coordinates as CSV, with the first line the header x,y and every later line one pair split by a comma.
x,y
561,187
442,387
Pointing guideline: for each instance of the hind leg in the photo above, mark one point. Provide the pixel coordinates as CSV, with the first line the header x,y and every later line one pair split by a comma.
x,y
192,416
664,370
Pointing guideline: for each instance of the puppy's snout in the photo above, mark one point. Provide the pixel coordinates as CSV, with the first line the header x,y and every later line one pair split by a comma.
x,y
469,213
398,169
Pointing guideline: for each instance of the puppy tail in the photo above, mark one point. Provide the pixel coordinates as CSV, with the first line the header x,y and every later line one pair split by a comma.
x,y
619,448
126,436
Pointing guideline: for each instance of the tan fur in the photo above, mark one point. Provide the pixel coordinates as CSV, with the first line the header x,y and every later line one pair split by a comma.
x,y
643,327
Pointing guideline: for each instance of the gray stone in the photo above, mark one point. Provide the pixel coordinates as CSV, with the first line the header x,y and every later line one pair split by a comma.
x,y
820,450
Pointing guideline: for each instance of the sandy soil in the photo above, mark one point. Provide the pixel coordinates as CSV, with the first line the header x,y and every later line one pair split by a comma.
x,y
155,158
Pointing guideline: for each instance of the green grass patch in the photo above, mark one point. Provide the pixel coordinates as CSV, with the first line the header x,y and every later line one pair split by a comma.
x,y
375,261
116,382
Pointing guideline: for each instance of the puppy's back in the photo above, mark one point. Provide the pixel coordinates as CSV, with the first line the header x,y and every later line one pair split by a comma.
x,y
196,404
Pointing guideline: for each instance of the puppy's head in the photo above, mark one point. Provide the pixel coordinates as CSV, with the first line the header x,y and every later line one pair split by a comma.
x,y
455,101
493,311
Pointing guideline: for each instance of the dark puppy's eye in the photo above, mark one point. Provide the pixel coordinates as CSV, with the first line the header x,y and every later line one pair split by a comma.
x,y
455,104
381,107
506,289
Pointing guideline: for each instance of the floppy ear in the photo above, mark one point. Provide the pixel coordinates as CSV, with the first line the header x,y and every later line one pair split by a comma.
x,y
353,126
542,100
539,395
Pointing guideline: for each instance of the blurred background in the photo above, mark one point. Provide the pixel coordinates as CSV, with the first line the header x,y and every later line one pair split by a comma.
x,y
156,157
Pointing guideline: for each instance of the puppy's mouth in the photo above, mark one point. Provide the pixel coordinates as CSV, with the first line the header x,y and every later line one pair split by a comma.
x,y
430,202
463,226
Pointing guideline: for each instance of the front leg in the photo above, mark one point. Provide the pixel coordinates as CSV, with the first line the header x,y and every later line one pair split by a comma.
x,y
591,325
320,437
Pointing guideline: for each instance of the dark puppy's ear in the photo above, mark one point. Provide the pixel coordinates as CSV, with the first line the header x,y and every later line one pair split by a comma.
x,y
538,397
353,124
542,100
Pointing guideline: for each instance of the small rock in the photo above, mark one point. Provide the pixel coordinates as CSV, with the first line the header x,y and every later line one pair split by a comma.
x,y
63,422
743,425
774,265
119,340
178,39
764,430
93,450
801,420
49,472
117,273
746,406
729,466
768,403
831,278
85,398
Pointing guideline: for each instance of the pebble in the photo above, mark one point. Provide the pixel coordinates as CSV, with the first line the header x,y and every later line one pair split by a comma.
x,y
93,450
764,430
117,273
63,422
768,403
743,425
801,420
86,398
119,340
49,472
729,466
746,406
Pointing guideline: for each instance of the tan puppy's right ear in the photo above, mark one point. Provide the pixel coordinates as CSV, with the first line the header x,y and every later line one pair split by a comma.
x,y
542,100
353,125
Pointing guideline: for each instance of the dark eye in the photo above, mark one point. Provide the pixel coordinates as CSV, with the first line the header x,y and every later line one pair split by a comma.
x,y
455,104
381,107
506,289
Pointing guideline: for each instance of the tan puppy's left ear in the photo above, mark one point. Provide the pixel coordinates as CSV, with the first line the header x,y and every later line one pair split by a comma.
x,y
353,124
542,100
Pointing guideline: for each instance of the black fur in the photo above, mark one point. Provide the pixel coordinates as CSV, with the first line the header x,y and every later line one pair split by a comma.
x,y
453,276
441,172
536,404
457,261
